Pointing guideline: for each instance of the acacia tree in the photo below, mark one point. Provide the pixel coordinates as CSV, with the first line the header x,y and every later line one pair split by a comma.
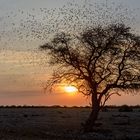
x,y
100,61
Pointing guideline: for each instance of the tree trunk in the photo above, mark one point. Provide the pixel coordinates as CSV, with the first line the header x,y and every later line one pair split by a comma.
x,y
88,126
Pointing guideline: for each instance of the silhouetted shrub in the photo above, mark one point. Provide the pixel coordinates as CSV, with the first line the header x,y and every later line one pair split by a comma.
x,y
87,107
125,108
74,107
25,115
104,109
55,106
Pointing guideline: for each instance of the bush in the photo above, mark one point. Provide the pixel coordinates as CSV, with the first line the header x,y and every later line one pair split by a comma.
x,y
125,108
105,109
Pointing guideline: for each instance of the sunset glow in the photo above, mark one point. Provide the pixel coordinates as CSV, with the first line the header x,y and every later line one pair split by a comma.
x,y
70,89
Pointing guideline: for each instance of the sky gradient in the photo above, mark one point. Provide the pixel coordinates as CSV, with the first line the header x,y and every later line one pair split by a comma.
x,y
24,26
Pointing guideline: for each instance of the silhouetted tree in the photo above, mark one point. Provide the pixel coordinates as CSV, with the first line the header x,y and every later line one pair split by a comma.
x,y
100,61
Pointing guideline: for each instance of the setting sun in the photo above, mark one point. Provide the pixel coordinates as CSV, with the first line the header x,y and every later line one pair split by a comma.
x,y
70,89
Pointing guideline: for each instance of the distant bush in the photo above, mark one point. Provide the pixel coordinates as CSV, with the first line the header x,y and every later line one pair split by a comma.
x,y
55,106
74,107
105,109
87,106
125,108
25,115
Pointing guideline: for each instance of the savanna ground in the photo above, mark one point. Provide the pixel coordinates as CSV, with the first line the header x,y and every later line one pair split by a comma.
x,y
65,124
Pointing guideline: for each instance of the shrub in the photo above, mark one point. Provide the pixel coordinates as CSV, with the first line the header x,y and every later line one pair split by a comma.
x,y
125,108
105,109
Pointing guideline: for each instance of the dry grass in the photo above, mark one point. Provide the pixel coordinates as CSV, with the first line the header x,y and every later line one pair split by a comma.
x,y
65,123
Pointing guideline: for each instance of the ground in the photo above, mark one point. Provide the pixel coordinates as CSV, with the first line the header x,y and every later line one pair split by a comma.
x,y
65,124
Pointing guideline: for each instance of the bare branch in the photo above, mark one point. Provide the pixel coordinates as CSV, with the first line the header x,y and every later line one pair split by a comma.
x,y
99,60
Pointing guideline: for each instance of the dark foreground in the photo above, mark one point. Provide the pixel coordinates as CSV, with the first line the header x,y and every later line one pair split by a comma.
x,y
65,124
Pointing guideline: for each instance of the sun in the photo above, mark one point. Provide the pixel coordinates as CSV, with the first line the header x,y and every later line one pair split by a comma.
x,y
70,89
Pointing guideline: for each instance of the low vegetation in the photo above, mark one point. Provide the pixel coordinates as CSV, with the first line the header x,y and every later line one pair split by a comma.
x,y
125,108
64,123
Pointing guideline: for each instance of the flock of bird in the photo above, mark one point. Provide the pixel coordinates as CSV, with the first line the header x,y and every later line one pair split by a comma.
x,y
40,24
26,30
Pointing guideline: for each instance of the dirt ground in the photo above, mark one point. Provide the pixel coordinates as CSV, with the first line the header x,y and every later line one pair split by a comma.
x,y
65,124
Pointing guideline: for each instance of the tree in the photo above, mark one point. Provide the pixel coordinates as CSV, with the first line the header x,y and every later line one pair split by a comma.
x,y
100,61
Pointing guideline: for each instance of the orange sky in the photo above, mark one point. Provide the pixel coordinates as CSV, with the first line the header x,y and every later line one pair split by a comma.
x,y
39,98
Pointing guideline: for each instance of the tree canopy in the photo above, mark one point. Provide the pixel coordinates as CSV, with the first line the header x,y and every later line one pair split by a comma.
x,y
99,59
